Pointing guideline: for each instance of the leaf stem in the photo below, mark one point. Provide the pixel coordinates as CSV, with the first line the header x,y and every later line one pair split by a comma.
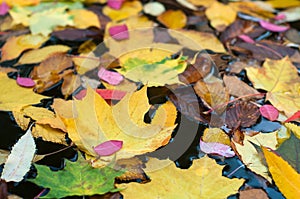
x,y
52,153
84,57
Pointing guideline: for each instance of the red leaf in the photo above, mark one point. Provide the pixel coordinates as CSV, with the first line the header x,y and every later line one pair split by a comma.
x,y
111,94
115,4
272,27
4,8
119,32
25,82
293,117
108,148
269,112
110,77
216,148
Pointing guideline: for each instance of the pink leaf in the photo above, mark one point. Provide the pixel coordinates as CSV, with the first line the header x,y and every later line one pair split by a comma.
x,y
119,32
216,148
246,39
4,8
111,94
293,117
110,77
115,4
81,94
25,82
108,148
269,112
272,27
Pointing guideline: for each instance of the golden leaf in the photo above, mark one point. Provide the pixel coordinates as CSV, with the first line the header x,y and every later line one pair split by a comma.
x,y
84,18
220,15
280,78
174,19
13,96
128,9
215,135
20,2
205,3
202,180
38,55
285,177
283,4
14,46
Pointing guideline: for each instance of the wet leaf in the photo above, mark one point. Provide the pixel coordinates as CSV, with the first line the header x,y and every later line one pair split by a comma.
x,y
19,160
285,177
75,179
174,19
269,112
204,174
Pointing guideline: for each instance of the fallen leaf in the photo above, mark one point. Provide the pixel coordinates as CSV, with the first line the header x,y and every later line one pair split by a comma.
x,y
115,4
215,135
154,8
108,148
119,32
295,128
272,27
174,19
204,174
187,4
251,157
205,3
284,176
269,112
246,38
19,160
4,8
38,55
295,116
128,9
75,179
220,15
14,46
14,96
3,155
280,78
111,94
283,4
237,87
253,194
290,15
216,148
84,19
25,82
22,3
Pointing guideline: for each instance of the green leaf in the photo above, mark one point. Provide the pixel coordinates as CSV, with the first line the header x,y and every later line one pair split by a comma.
x,y
290,151
77,178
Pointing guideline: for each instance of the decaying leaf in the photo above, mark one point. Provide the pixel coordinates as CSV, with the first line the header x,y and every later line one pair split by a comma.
x,y
75,179
285,177
202,180
19,160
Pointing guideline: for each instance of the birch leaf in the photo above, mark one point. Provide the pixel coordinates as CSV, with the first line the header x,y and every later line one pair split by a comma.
x,y
19,160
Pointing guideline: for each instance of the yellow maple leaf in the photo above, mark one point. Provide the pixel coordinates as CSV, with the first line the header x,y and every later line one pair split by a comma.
x,y
93,121
13,96
285,177
280,78
220,15
202,180
250,156
15,45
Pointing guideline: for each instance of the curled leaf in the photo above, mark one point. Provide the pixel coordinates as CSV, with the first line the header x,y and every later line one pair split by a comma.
x,y
119,32
269,112
25,82
272,27
108,148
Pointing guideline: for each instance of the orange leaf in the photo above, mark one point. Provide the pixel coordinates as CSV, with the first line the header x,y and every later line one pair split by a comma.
x,y
174,19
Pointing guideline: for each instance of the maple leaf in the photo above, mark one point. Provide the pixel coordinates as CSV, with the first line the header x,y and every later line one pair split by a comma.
x,y
202,180
123,121
280,78
75,179
285,177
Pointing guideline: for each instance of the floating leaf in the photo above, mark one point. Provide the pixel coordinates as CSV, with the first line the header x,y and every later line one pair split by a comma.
x,y
108,148
19,160
272,27
25,82
75,179
269,112
216,148
284,176
174,19
204,174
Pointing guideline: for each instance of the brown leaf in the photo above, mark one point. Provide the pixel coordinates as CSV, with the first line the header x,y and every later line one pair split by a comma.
x,y
253,194
70,34
3,189
243,114
238,88
70,84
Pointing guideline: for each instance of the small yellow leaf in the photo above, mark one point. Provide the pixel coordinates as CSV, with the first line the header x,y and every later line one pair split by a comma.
x,y
220,15
205,3
285,177
14,46
38,55
202,180
84,18
174,19
215,135
128,9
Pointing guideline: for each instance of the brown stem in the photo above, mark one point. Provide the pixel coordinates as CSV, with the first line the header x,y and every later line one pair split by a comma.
x,y
72,144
